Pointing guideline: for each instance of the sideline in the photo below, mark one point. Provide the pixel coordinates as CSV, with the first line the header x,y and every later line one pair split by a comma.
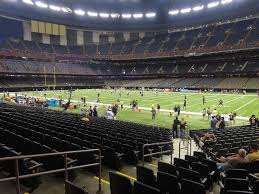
x,y
161,110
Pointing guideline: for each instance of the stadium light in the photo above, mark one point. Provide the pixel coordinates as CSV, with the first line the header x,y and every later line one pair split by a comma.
x,y
150,15
115,15
138,15
54,8
213,4
174,12
28,2
66,10
79,12
198,8
186,10
92,14
226,1
104,15
41,4
126,15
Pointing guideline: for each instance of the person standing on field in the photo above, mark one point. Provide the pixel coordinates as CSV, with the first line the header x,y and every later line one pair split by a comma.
x,y
153,112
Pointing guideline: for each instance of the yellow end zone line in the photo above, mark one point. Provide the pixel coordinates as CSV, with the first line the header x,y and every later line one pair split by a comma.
x,y
103,181
130,177
120,173
153,165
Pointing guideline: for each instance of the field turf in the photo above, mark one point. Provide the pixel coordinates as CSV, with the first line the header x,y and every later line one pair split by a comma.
x,y
243,105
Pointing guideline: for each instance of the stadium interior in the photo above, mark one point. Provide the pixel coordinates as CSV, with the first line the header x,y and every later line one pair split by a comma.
x,y
189,47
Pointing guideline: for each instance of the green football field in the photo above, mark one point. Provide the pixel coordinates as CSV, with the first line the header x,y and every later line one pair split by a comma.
x,y
243,105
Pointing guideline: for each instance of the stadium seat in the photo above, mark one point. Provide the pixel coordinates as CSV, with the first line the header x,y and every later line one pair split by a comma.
x,y
181,163
146,176
167,168
71,188
167,183
140,188
188,186
234,184
119,184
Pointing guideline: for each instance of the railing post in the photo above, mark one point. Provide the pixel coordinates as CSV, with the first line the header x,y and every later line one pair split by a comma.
x,y
172,152
143,155
99,173
180,148
65,163
18,190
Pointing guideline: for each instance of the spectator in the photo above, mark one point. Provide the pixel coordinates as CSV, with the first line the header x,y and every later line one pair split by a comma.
x,y
222,124
176,123
90,111
209,114
207,137
253,120
182,127
254,155
178,110
204,113
213,122
158,107
214,112
95,113
226,119
153,112
115,109
232,162
109,114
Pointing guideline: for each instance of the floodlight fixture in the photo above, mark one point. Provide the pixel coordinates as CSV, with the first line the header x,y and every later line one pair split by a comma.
x,y
198,8
138,15
79,12
186,10
66,10
30,2
126,15
213,4
150,14
55,8
104,15
173,12
41,4
115,15
226,1
92,14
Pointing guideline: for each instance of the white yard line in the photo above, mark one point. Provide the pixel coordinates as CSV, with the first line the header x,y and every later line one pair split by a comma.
x,y
243,106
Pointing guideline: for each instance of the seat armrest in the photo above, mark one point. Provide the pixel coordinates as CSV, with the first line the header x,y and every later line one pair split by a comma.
x,y
212,173
204,180
70,161
252,177
221,185
35,166
223,175
119,154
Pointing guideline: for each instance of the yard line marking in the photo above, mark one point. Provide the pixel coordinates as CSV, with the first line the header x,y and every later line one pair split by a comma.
x,y
128,176
243,106
103,181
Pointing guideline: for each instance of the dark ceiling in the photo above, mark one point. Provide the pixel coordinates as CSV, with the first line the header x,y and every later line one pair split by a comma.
x,y
238,8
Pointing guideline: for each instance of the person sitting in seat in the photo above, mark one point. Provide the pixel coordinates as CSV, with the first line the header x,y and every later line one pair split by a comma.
x,y
207,137
254,155
232,162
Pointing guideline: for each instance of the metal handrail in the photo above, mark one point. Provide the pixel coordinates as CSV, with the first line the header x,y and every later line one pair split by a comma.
x,y
188,147
65,169
161,152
